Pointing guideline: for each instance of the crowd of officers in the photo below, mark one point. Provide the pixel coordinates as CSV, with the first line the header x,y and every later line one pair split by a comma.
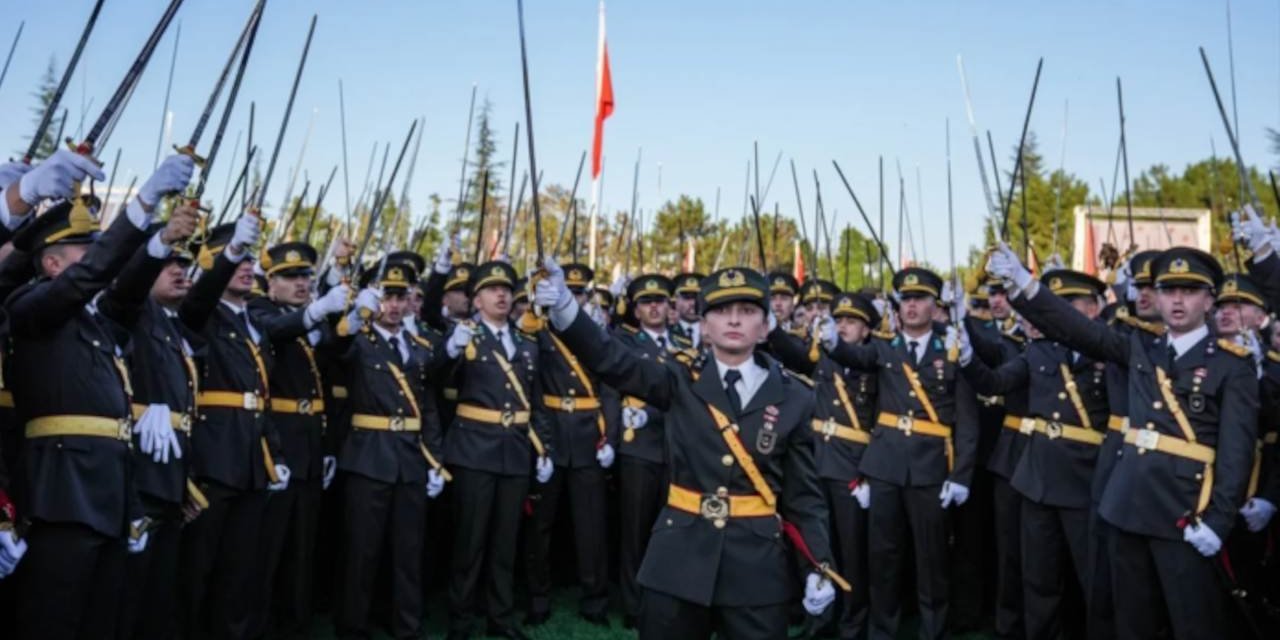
x,y
198,427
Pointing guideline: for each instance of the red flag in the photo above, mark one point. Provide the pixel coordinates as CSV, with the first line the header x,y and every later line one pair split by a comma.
x,y
1090,251
604,98
798,271
690,257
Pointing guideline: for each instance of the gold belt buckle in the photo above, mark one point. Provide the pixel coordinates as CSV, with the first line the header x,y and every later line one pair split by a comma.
x,y
507,418
184,422
304,406
829,427
567,404
250,401
1053,429
395,423
1147,440
715,509
1027,426
905,423
124,428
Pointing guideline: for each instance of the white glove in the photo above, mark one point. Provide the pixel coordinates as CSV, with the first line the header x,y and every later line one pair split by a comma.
x,y
1202,538
597,315
825,330
1248,227
246,233
604,455
138,544
1004,264
334,301
459,339
962,338
330,464
818,594
617,288
634,418
53,177
1124,274
551,292
443,259
282,472
435,483
953,493
156,436
371,299
12,548
172,176
11,172
544,469
862,493
1055,263
948,293
1257,513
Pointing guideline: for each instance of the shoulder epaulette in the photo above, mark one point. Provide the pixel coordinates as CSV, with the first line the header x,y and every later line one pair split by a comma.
x,y
980,314
1228,345
626,328
803,379
1273,356
798,332
422,341
686,356
1018,338
883,335
1154,328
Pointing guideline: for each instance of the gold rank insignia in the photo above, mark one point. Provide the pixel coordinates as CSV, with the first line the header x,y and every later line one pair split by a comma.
x,y
1179,265
732,278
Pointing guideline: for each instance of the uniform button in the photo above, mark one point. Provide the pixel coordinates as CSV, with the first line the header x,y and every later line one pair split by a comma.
x,y
1056,415
1151,425
1062,395
722,492
719,524
727,460
911,393
669,522
1157,405
1199,477
96,343
835,403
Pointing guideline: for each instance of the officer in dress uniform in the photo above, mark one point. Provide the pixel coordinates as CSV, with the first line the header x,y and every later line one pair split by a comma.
x,y
147,294
921,458
783,289
687,287
1181,475
817,296
500,435
1061,431
391,457
844,415
584,420
236,455
297,411
741,466
642,454
73,392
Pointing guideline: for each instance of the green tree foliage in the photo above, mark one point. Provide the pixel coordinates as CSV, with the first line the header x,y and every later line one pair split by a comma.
x,y
44,98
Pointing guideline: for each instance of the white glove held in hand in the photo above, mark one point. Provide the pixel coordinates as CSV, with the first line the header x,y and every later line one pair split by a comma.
x,y
953,493
1202,538
1257,513
138,544
248,229
156,436
544,469
458,340
818,594
330,464
12,548
283,473
1004,264
634,418
435,483
334,301
604,455
172,176
862,493
54,177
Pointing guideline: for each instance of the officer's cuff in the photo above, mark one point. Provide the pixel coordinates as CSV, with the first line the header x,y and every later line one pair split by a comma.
x,y
233,255
6,217
562,317
156,248
137,215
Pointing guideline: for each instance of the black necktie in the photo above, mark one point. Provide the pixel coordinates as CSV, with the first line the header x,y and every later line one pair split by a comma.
x,y
395,345
1173,356
662,342
731,378
915,355
244,324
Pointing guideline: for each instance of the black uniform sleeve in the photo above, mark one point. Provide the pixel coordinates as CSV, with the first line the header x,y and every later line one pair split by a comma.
x,y
1060,321
203,298
802,501
433,301
1237,435
1008,377
863,357
617,366
965,434
276,326
1266,273
16,270
986,343
791,351
128,293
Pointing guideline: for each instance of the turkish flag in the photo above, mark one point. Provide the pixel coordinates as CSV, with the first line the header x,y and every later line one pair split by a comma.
x,y
604,98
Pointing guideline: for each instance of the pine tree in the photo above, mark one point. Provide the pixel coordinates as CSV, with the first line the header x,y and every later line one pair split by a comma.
x,y
44,97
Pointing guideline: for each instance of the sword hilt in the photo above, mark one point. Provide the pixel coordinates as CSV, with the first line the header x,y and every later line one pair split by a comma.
x,y
190,152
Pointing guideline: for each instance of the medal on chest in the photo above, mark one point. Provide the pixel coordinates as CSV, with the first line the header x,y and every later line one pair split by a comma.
x,y
768,436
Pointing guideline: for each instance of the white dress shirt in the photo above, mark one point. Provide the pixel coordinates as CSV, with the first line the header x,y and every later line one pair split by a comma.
x,y
237,309
922,345
504,332
692,328
401,341
1187,340
753,376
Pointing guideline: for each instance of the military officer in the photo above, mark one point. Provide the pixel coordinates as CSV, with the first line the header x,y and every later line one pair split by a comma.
x,y
1061,430
782,296
816,296
685,301
742,457
584,428
921,458
1181,475
500,435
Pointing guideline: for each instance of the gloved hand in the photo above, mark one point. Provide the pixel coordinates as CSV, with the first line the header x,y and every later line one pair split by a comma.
x,y
604,455
369,299
1004,264
443,259
948,293
818,594
961,338
597,315
138,544
1202,538
156,436
862,493
282,472
11,172
435,483
953,493
334,301
330,464
634,417
12,548
1257,513
54,177
1246,226
1055,263
544,469
618,287
172,176
248,229
553,294
825,330
459,339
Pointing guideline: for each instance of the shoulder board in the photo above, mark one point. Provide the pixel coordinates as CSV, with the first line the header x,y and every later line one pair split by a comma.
x,y
980,314
798,332
803,379
883,335
422,341
1228,345
686,356
680,339
1150,327
626,328
1016,337
1273,356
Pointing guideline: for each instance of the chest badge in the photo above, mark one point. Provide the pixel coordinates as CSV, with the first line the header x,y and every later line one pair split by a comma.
x,y
767,439
1195,402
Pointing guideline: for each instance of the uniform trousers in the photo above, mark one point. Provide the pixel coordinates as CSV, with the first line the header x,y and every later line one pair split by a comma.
x,y
69,582
219,552
286,560
666,617
899,514
152,575
487,513
1054,558
642,490
587,509
1164,586
375,512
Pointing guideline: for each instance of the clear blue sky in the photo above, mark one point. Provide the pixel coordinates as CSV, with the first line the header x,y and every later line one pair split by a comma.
x,y
696,83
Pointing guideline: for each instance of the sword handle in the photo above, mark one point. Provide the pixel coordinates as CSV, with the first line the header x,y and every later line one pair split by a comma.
x,y
190,152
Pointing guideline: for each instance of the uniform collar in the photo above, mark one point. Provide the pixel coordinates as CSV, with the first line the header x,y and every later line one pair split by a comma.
x,y
1184,342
